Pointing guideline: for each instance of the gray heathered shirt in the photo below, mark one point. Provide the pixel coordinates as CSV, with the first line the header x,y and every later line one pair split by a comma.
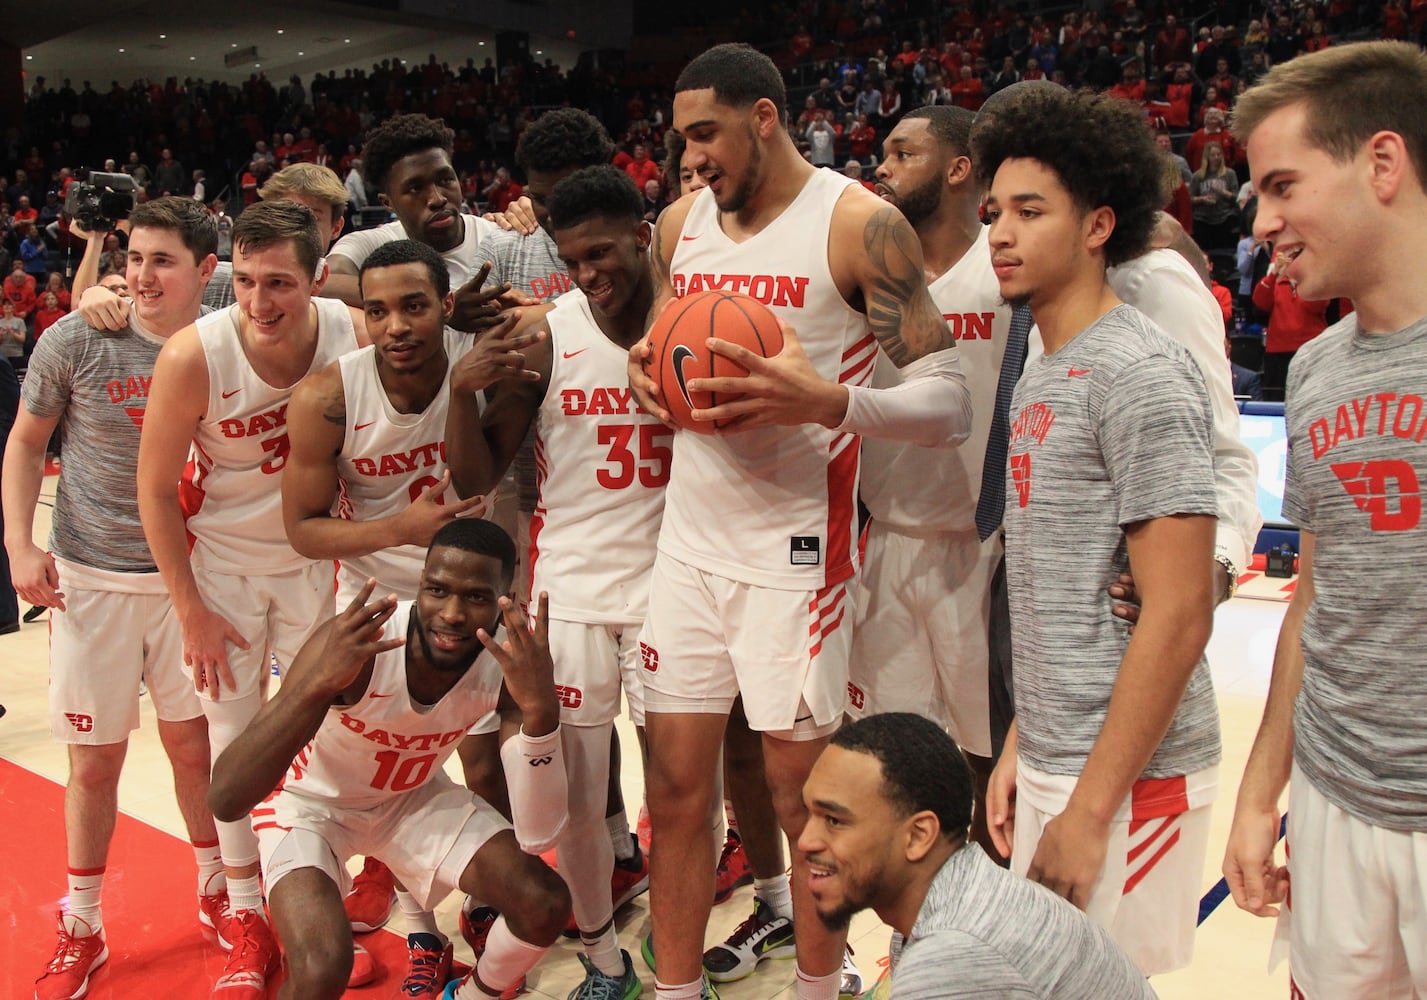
x,y
985,933
1357,459
99,382
1112,429
530,263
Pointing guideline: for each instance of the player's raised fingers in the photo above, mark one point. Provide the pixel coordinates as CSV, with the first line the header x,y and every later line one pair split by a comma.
x,y
360,601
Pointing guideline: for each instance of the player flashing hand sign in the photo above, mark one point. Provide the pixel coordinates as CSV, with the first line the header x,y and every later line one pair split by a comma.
x,y
525,662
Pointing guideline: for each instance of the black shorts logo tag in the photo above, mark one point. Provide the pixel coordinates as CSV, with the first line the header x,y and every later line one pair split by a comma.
x,y
805,550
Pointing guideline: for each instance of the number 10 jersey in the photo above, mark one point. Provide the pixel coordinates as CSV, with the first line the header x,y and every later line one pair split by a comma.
x,y
602,464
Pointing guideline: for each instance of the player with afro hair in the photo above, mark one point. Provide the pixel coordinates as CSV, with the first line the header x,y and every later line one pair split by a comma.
x,y
398,137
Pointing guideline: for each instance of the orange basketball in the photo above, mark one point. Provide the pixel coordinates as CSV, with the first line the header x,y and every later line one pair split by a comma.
x,y
679,352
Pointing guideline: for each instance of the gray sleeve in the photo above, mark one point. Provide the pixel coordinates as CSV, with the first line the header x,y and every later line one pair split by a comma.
x,y
494,249
1296,506
49,380
219,293
1154,430
956,966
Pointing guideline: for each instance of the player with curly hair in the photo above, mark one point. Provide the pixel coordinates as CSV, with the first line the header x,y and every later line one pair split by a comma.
x,y
1103,790
407,161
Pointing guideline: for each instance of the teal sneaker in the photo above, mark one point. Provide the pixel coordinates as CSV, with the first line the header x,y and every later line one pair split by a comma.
x,y
598,986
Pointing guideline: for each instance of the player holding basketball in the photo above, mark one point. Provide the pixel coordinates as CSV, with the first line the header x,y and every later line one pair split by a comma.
x,y
1339,151
1109,769
349,756
219,407
112,623
924,590
604,465
750,586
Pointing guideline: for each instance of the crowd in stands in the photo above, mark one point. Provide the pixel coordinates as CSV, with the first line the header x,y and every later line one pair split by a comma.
x,y
853,68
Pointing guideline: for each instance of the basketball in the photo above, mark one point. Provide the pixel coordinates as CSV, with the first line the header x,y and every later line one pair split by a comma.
x,y
679,351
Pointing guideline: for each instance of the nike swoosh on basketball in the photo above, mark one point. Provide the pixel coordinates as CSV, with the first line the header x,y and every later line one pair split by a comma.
x,y
567,355
680,356
362,427
1074,372
232,392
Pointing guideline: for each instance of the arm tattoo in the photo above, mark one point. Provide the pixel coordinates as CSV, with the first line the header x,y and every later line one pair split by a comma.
x,y
901,313
334,408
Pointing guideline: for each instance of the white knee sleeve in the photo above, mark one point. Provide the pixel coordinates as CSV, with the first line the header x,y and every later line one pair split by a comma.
x,y
535,776
226,719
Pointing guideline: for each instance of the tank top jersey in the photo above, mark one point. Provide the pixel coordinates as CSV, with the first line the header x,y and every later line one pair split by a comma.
x,y
362,754
230,492
926,491
389,459
772,507
602,465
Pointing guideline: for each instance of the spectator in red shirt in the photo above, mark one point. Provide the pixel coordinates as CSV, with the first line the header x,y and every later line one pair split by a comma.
x,y
641,167
1213,131
55,285
861,139
23,212
502,191
1292,322
801,43
1172,44
1131,86
49,311
968,92
19,290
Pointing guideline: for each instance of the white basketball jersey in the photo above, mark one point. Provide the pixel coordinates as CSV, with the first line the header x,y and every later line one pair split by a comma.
x,y
388,459
773,507
924,491
386,744
602,465
231,492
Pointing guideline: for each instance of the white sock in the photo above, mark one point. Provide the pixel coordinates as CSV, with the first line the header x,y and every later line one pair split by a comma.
x,y
418,921
777,893
85,886
618,827
603,952
246,894
819,987
505,963
212,877
728,815
683,991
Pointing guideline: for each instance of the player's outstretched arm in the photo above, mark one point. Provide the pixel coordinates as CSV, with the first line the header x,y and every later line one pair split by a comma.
x,y
342,281
32,569
335,661
1171,556
1256,881
178,399
514,357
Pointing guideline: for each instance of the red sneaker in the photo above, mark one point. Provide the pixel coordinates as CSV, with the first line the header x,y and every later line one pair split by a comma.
x,y
372,898
643,830
253,959
428,966
364,967
733,868
76,957
476,927
214,913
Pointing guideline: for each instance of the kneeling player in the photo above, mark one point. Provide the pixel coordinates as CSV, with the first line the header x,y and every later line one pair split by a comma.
x,y
354,744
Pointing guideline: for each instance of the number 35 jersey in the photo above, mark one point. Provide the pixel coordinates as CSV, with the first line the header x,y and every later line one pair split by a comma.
x,y
385,744
231,489
602,464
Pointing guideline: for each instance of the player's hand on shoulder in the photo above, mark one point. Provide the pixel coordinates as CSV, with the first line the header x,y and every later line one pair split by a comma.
x,y
519,217
524,659
419,522
498,353
782,390
36,578
102,309
333,659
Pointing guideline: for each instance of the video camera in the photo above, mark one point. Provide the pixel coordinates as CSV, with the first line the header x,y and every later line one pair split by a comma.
x,y
101,202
